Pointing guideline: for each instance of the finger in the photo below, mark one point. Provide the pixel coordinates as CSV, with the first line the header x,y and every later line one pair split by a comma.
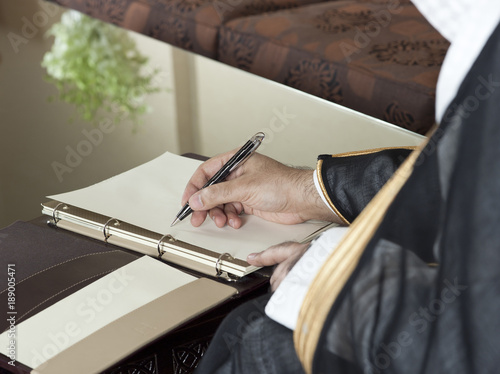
x,y
284,267
188,192
203,173
233,215
218,216
238,207
273,255
278,275
197,218
197,181
218,194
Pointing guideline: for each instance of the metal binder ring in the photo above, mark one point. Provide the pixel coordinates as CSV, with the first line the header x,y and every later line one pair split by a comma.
x,y
158,245
54,218
104,229
218,264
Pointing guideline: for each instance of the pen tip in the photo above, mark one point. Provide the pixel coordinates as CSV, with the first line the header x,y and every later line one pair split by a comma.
x,y
175,221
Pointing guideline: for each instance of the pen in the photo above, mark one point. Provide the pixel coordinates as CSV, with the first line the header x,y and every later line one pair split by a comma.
x,y
238,159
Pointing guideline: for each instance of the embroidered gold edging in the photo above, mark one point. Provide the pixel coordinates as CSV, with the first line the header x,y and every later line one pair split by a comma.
x,y
325,194
373,150
341,263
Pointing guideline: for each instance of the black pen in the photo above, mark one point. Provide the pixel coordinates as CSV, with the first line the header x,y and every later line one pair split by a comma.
x,y
239,158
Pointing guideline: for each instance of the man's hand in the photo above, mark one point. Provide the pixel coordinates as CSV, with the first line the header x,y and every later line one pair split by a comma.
x,y
284,255
261,186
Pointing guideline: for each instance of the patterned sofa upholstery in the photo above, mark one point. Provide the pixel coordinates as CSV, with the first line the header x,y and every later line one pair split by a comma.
x,y
356,54
379,57
189,24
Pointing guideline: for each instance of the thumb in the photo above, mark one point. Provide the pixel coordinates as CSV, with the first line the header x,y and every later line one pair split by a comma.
x,y
273,255
215,195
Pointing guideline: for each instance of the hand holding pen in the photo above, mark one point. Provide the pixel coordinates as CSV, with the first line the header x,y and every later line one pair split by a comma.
x,y
262,187
235,161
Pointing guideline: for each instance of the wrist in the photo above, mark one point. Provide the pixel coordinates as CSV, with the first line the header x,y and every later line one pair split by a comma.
x,y
312,205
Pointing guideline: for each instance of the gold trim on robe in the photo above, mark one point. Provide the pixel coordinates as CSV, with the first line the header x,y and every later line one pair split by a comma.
x,y
369,151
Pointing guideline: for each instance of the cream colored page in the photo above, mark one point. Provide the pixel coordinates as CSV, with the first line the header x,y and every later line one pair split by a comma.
x,y
149,196
77,316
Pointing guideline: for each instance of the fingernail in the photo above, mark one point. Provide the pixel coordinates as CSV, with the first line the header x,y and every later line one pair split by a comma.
x,y
251,256
231,222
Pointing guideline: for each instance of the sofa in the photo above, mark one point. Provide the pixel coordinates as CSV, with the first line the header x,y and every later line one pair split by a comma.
x,y
379,57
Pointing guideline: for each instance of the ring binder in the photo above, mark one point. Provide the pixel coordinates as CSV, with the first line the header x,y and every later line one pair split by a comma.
x,y
218,268
158,245
55,219
147,242
107,235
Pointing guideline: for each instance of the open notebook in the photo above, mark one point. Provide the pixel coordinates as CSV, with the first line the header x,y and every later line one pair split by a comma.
x,y
135,209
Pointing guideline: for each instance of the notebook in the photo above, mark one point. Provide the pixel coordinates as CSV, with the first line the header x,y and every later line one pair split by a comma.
x,y
135,209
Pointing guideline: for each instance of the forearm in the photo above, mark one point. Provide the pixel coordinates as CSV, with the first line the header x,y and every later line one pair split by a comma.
x,y
349,181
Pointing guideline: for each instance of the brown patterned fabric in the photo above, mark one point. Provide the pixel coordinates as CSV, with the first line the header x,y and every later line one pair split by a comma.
x,y
371,56
379,57
189,24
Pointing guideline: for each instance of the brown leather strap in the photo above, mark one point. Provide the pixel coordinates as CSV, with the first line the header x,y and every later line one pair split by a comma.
x,y
50,285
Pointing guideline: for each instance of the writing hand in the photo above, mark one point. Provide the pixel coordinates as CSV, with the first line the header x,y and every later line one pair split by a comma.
x,y
261,186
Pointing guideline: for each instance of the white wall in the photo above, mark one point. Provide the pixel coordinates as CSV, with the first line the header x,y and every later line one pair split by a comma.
x,y
34,133
232,105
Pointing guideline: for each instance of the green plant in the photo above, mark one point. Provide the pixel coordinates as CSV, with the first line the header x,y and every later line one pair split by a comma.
x,y
97,67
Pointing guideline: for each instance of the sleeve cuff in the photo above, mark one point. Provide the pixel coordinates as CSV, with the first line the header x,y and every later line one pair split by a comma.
x,y
322,192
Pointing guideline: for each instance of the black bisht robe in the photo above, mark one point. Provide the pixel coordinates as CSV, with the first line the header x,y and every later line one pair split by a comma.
x,y
425,295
